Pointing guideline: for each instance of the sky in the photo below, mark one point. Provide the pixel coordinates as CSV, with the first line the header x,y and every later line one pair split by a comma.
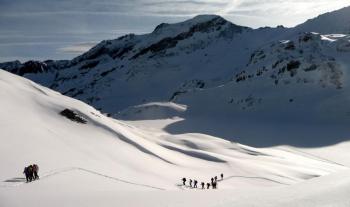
x,y
63,29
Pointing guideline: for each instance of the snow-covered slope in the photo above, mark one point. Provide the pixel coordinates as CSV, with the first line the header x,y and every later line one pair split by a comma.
x,y
106,157
299,86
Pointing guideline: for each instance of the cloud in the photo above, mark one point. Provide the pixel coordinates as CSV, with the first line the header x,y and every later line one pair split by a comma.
x,y
77,49
258,13
266,9
70,27
182,7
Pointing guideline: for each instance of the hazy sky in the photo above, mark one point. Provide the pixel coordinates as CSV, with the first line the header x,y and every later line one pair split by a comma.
x,y
62,29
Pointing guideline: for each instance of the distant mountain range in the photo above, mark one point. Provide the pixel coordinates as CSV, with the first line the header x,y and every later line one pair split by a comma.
x,y
217,69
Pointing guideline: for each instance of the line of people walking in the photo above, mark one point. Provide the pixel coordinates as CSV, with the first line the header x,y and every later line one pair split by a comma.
x,y
213,183
31,172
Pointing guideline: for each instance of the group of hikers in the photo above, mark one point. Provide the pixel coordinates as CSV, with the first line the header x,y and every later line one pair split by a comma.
x,y
213,183
31,172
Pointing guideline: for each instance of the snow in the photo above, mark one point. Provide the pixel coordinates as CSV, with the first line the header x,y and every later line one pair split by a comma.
x,y
269,108
107,161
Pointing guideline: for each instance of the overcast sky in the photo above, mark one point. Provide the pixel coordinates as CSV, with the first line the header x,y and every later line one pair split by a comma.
x,y
62,29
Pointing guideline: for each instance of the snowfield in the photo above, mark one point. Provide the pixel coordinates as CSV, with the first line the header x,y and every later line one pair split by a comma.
x,y
267,107
107,162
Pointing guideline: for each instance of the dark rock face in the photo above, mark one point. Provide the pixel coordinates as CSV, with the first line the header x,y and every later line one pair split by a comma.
x,y
73,116
306,37
290,46
32,67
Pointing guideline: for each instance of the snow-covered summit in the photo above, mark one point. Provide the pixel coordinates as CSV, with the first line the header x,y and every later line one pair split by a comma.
x,y
164,36
200,23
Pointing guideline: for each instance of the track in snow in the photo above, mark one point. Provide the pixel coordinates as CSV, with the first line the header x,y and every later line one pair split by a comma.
x,y
20,181
183,187
17,181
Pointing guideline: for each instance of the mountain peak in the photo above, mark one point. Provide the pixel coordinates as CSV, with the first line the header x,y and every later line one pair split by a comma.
x,y
204,18
207,19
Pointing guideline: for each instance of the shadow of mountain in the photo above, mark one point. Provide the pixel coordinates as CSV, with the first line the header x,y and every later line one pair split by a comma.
x,y
260,133
151,111
193,153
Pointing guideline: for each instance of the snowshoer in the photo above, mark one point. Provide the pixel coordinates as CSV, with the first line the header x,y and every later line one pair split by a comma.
x,y
212,180
202,185
195,183
208,185
190,182
36,171
216,178
222,176
184,181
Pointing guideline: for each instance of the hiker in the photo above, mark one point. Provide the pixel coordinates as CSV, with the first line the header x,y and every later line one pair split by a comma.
x,y
190,182
202,185
214,185
212,180
195,183
216,178
30,173
26,173
35,171
222,176
184,181
208,185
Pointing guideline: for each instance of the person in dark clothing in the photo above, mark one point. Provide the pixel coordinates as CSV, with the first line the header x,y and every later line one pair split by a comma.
x,y
216,178
190,182
35,171
208,185
26,173
202,185
30,173
214,185
184,181
195,183
222,176
212,180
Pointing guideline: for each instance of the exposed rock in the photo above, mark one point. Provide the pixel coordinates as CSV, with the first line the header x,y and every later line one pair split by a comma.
x,y
69,114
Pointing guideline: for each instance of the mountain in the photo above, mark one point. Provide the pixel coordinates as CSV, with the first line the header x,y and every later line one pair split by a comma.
x,y
84,154
237,77
171,56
